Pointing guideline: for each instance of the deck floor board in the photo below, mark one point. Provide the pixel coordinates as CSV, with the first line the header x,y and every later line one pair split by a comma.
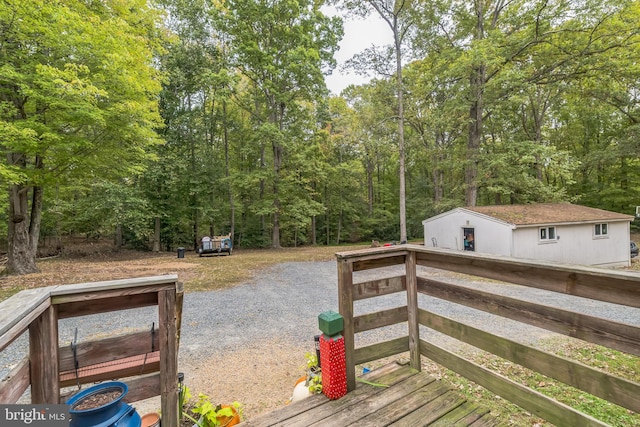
x,y
395,395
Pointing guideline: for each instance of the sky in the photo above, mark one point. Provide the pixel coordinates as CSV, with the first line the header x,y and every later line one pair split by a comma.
x,y
358,35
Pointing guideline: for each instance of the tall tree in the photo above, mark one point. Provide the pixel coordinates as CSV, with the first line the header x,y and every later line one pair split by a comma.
x,y
282,47
77,97
398,16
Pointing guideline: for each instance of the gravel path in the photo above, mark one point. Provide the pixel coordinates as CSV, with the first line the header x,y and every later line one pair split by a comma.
x,y
247,343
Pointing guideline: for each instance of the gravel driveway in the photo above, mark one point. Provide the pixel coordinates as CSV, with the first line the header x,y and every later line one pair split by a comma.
x,y
247,343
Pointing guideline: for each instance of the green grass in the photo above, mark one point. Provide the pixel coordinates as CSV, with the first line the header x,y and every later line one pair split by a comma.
x,y
611,361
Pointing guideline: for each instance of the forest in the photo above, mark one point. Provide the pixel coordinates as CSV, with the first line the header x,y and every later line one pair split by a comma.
x,y
157,122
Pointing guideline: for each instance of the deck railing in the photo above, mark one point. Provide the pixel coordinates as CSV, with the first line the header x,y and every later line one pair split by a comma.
x,y
617,287
48,366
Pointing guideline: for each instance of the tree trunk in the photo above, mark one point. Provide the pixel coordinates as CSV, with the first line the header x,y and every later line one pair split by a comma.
x,y
400,90
23,229
277,117
156,235
477,83
118,237
232,208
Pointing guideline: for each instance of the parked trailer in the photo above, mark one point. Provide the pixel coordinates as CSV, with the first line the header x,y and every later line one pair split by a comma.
x,y
216,245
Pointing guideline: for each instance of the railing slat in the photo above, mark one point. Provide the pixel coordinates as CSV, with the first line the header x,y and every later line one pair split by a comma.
x,y
528,399
15,384
617,287
380,350
616,390
380,319
17,312
108,349
380,287
593,329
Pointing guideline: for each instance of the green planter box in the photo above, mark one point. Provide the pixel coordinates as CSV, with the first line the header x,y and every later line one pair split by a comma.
x,y
330,323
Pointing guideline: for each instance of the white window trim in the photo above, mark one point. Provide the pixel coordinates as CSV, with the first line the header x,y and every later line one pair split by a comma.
x,y
601,235
547,239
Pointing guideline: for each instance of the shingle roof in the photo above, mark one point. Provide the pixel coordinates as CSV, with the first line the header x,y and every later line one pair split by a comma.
x,y
548,213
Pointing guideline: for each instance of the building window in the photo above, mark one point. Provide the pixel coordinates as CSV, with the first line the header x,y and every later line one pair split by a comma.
x,y
601,230
547,234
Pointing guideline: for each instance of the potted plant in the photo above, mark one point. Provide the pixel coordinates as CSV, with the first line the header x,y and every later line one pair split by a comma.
x,y
311,382
208,415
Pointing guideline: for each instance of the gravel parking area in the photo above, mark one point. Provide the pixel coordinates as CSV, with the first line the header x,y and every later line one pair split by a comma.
x,y
247,343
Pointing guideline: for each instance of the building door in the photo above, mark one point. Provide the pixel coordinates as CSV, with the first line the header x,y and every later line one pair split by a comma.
x,y
469,236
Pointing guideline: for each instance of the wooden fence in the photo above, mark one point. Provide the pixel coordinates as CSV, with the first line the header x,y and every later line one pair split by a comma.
x,y
151,357
617,287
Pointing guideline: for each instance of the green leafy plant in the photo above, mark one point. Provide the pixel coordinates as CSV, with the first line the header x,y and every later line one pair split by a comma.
x,y
314,373
211,415
183,398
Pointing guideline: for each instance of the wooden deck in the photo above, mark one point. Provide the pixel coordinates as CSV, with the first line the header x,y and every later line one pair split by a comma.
x,y
402,396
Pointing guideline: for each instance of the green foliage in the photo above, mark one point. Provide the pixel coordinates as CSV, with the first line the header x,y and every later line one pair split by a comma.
x,y
253,145
211,415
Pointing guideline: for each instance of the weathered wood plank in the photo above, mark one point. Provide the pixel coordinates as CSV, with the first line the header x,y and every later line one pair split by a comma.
x,y
412,307
379,319
140,388
143,388
462,416
614,389
62,294
283,414
380,287
179,304
17,312
593,329
15,384
381,350
528,399
345,307
348,415
617,287
105,301
378,261
431,410
400,411
43,358
108,349
486,421
168,340
353,399
116,369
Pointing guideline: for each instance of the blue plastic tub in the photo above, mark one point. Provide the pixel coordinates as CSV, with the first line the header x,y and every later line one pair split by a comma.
x,y
116,413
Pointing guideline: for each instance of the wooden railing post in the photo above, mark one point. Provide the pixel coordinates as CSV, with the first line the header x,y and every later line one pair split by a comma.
x,y
168,343
345,304
412,309
43,357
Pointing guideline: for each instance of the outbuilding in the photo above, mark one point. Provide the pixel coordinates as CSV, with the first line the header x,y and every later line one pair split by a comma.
x,y
559,232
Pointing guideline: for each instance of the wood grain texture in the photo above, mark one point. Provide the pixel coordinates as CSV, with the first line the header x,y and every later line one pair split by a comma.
x,y
380,287
168,343
108,349
345,308
619,336
618,287
614,389
43,357
528,399
15,383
